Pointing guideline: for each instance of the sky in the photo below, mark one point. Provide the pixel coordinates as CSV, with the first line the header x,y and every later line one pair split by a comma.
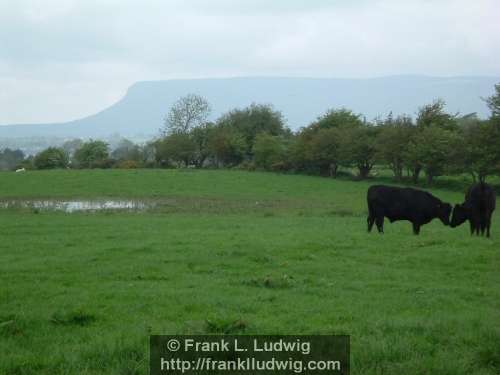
x,y
64,59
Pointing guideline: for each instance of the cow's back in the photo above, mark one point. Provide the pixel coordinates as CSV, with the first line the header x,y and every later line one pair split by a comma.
x,y
481,197
399,202
386,196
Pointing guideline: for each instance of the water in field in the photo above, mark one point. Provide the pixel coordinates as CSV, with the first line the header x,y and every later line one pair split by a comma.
x,y
170,205
77,205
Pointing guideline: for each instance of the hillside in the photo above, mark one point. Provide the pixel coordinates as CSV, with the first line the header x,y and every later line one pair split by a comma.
x,y
142,109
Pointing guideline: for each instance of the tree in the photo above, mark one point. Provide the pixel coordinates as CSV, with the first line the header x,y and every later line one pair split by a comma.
x,y
51,158
338,118
269,151
178,148
434,115
329,131
126,150
357,148
392,142
201,139
493,103
10,159
147,154
252,120
429,116
92,154
300,153
432,148
323,150
227,146
71,146
187,113
479,151
316,148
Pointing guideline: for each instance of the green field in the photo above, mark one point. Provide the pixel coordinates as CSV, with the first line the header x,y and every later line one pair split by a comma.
x,y
237,252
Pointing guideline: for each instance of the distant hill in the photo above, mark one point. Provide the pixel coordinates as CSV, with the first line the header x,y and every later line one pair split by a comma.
x,y
141,111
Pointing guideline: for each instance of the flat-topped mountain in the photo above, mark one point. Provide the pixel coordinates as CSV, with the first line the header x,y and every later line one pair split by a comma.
x,y
301,100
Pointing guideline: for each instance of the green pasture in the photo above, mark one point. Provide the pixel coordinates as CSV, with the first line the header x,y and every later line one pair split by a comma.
x,y
241,253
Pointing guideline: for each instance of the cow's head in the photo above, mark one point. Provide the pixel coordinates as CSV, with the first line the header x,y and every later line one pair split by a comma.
x,y
444,211
460,214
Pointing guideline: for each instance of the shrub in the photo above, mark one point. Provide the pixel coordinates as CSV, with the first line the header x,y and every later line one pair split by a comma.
x,y
104,164
51,158
279,167
268,150
247,165
92,154
177,148
10,159
128,164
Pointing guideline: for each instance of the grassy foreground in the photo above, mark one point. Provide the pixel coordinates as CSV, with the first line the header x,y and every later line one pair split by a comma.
x,y
237,252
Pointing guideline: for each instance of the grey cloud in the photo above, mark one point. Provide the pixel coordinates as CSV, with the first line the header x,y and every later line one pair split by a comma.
x,y
109,44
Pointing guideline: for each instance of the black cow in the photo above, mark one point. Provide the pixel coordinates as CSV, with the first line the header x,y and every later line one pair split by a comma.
x,y
396,203
480,202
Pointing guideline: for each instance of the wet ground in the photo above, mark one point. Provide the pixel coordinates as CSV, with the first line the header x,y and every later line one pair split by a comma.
x,y
77,205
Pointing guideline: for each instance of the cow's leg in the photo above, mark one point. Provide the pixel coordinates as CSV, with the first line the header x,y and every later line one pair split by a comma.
x,y
477,224
371,217
370,221
379,220
482,221
488,224
416,228
474,227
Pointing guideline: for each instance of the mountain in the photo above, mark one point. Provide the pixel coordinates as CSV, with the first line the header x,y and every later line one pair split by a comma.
x,y
141,111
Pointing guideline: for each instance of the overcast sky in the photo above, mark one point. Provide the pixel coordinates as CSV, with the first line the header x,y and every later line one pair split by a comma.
x,y
64,59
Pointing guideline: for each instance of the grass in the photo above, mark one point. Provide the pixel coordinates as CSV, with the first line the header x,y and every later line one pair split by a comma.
x,y
241,253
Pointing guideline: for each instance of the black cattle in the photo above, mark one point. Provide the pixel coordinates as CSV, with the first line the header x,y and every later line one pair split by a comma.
x,y
480,202
417,206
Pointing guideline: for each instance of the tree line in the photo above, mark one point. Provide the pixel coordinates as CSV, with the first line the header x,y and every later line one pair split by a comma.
x,y
432,144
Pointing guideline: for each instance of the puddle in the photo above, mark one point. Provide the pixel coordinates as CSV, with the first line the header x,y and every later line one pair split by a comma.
x,y
74,205
167,205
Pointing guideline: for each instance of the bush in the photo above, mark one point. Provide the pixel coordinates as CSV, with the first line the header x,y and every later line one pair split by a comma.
x,y
268,150
227,147
26,164
357,148
251,121
51,158
104,164
279,167
128,164
247,165
176,148
126,150
93,154
10,159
